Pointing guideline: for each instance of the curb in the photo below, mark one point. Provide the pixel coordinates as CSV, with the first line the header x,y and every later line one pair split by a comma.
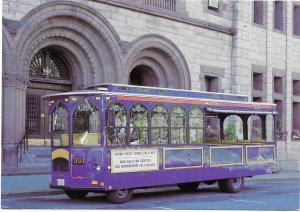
x,y
25,173
272,179
59,191
31,194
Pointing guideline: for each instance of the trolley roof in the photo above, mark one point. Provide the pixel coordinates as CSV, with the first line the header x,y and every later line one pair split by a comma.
x,y
226,104
167,92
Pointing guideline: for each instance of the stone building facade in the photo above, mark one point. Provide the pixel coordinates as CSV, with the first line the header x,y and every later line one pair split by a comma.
x,y
239,47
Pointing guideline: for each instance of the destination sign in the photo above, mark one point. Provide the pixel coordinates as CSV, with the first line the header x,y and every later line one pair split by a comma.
x,y
134,160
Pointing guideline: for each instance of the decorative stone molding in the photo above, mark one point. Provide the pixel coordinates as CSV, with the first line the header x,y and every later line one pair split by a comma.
x,y
75,24
14,80
125,46
80,63
12,25
68,4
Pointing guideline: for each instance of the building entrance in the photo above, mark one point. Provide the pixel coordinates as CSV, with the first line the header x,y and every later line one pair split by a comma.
x,y
49,73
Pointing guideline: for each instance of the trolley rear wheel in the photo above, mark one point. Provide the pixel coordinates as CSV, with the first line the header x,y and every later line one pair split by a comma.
x,y
188,186
119,196
232,185
75,194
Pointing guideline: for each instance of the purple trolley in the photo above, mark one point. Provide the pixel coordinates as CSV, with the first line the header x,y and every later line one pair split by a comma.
x,y
115,138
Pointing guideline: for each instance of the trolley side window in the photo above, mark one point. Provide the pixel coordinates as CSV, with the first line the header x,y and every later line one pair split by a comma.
x,y
138,125
256,128
60,126
196,126
86,125
178,125
116,125
159,125
212,129
233,129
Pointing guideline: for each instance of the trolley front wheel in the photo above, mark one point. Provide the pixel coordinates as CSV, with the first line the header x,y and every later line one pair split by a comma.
x,y
232,185
74,194
119,196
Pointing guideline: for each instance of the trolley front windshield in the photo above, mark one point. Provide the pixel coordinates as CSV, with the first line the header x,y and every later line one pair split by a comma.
x,y
83,123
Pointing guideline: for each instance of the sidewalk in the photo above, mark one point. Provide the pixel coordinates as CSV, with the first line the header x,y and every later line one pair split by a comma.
x,y
26,185
37,185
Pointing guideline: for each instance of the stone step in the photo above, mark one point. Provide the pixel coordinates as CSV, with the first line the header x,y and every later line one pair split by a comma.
x,y
36,157
34,165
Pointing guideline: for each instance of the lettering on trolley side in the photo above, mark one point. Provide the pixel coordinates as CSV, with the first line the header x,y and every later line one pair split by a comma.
x,y
134,160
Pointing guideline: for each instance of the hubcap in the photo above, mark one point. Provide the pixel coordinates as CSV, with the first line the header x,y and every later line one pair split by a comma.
x,y
236,182
122,193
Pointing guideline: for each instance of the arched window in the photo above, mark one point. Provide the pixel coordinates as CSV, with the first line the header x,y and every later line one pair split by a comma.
x,y
138,125
196,125
48,64
116,124
60,126
255,127
159,125
233,128
86,125
178,125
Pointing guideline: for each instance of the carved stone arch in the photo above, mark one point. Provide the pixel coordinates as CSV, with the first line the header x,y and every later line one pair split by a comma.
x,y
74,24
77,51
7,43
71,52
163,53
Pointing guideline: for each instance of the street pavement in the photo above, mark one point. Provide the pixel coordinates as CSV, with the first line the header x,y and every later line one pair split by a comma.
x,y
27,184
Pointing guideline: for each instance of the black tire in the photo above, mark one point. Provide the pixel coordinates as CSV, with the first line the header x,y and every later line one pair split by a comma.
x,y
232,185
119,196
188,186
75,194
210,182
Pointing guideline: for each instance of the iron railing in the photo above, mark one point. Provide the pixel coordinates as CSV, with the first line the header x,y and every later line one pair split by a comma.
x,y
22,147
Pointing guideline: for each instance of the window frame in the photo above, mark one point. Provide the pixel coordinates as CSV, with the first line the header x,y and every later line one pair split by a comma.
x,y
275,16
68,125
107,128
296,5
95,105
185,127
133,127
195,128
167,128
263,15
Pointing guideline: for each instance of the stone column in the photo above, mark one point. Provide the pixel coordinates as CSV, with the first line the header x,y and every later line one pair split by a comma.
x,y
289,69
13,117
269,64
241,54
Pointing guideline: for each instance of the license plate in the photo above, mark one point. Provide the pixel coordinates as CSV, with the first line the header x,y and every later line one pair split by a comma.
x,y
60,182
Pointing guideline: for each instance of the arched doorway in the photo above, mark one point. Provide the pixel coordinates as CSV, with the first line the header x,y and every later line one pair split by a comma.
x,y
154,60
49,72
144,76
